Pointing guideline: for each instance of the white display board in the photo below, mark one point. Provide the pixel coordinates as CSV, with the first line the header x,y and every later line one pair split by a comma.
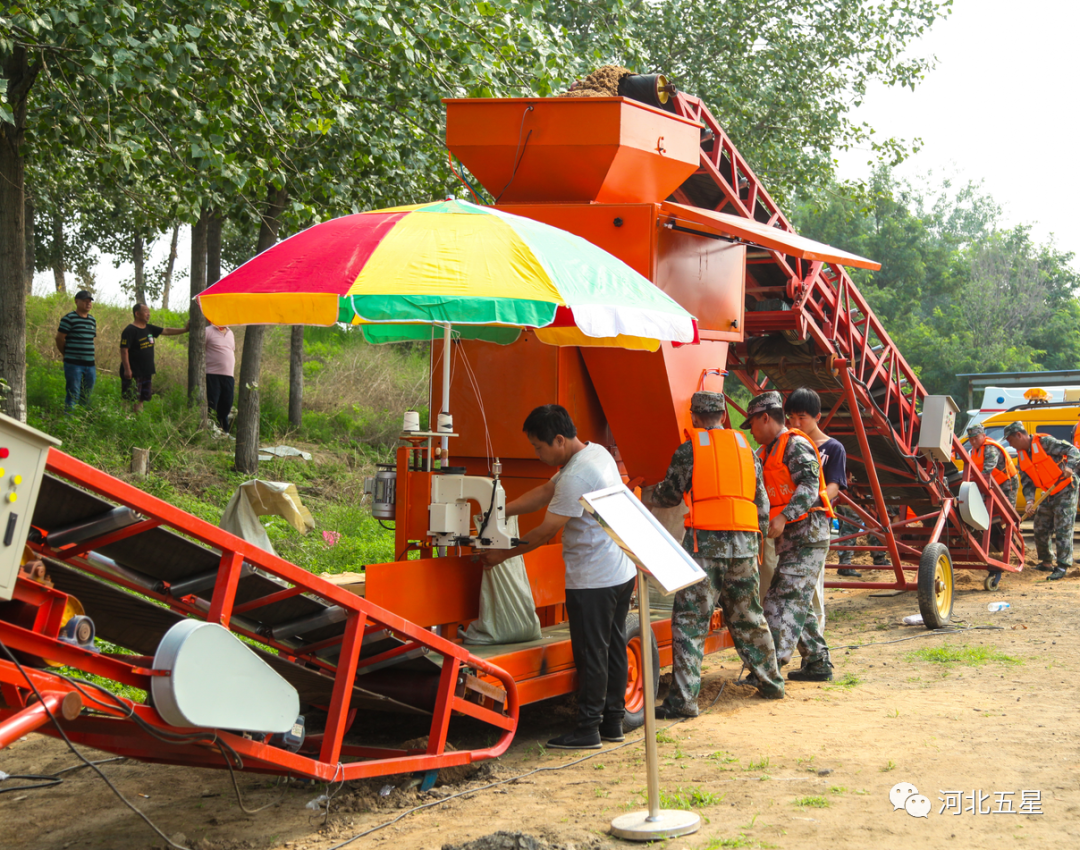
x,y
641,536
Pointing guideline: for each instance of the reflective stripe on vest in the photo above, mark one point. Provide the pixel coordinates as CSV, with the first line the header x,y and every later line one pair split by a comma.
x,y
1042,469
778,481
999,475
721,496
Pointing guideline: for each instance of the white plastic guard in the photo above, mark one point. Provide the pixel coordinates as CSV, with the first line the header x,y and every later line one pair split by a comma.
x,y
217,682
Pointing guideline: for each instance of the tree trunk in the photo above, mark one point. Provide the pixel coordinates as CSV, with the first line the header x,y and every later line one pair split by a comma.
x,y
18,76
197,329
58,250
169,268
137,259
213,247
31,246
296,376
247,417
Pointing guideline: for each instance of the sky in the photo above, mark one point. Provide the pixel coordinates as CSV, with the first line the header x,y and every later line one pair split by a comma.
x,y
998,108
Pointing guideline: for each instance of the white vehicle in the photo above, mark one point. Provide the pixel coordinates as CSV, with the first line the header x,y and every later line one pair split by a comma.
x,y
999,399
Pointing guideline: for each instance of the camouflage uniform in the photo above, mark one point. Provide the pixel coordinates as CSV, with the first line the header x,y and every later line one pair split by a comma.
x,y
730,561
846,528
800,552
1055,513
994,458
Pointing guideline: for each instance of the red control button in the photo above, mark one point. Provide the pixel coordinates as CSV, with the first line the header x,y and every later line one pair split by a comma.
x,y
4,453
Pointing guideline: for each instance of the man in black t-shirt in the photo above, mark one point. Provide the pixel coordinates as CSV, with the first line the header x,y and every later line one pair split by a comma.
x,y
137,355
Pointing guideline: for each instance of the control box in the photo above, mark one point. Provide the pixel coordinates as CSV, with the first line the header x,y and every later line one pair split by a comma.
x,y
23,453
936,431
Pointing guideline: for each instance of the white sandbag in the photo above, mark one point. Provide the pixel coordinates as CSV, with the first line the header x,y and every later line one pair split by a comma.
x,y
256,498
507,610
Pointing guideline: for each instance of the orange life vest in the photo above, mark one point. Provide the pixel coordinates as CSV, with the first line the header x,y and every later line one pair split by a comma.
x,y
778,480
721,496
999,475
1076,435
1042,469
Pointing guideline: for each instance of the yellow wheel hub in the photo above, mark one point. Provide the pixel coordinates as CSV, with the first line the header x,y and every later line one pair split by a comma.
x,y
943,584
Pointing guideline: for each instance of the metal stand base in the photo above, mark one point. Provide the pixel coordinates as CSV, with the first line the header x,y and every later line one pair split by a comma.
x,y
655,824
669,823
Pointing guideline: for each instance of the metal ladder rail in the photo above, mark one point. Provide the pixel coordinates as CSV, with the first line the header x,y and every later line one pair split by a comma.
x,y
829,308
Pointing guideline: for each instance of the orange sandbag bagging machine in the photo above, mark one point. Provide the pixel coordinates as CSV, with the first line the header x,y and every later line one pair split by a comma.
x,y
659,186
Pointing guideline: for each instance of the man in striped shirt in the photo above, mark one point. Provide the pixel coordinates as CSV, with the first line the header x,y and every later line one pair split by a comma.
x,y
75,341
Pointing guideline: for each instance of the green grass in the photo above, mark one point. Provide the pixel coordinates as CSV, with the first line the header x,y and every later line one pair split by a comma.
x,y
662,737
741,840
760,764
812,802
968,656
845,683
693,797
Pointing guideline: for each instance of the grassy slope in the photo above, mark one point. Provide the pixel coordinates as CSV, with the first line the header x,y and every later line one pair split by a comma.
x,y
354,395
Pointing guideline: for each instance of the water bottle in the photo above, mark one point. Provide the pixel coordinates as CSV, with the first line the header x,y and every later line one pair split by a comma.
x,y
997,606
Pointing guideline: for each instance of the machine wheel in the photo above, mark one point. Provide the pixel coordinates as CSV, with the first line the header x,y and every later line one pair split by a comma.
x,y
992,580
635,696
935,586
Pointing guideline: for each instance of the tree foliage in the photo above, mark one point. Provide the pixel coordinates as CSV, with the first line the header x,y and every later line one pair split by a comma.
x,y
958,291
159,109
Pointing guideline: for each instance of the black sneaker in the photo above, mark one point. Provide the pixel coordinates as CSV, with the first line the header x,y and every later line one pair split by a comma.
x,y
777,694
816,671
1056,574
577,740
611,730
849,573
1044,568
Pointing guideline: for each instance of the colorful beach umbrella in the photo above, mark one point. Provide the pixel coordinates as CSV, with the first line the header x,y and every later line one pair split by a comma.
x,y
487,273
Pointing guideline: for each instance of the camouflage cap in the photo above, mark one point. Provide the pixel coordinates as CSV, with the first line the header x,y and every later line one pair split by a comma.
x,y
975,429
765,401
1013,428
705,402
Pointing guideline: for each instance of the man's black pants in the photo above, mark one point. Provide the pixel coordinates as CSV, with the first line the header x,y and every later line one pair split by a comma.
x,y
597,619
219,397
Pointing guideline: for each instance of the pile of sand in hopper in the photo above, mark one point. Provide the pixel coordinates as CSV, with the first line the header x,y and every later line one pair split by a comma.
x,y
603,82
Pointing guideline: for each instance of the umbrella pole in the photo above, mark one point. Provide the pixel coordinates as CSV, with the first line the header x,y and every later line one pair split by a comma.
x,y
445,391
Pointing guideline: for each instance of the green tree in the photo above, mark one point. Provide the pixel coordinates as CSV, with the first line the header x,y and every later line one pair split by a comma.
x,y
782,76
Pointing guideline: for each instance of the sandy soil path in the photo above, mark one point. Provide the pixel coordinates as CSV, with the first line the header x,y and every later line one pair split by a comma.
x,y
979,721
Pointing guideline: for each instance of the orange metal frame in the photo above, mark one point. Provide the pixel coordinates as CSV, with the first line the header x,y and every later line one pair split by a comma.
x,y
328,757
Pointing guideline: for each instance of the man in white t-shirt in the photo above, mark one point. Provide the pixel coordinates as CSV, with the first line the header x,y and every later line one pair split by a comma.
x,y
599,577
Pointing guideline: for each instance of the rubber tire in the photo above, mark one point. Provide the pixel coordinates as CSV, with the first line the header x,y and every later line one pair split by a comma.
x,y
992,581
933,617
636,719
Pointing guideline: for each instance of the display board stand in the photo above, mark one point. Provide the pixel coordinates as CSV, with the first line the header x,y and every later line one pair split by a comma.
x,y
657,554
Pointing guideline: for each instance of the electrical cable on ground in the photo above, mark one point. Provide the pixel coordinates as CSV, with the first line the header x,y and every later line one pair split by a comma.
x,y
127,708
535,770
83,758
924,633
50,779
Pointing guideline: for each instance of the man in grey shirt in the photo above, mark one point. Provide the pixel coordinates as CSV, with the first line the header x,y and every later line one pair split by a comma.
x,y
599,577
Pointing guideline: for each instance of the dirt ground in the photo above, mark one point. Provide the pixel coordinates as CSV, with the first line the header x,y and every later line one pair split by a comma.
x,y
997,726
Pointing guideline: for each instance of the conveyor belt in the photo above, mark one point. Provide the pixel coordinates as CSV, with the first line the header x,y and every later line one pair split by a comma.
x,y
164,555
138,625
791,365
